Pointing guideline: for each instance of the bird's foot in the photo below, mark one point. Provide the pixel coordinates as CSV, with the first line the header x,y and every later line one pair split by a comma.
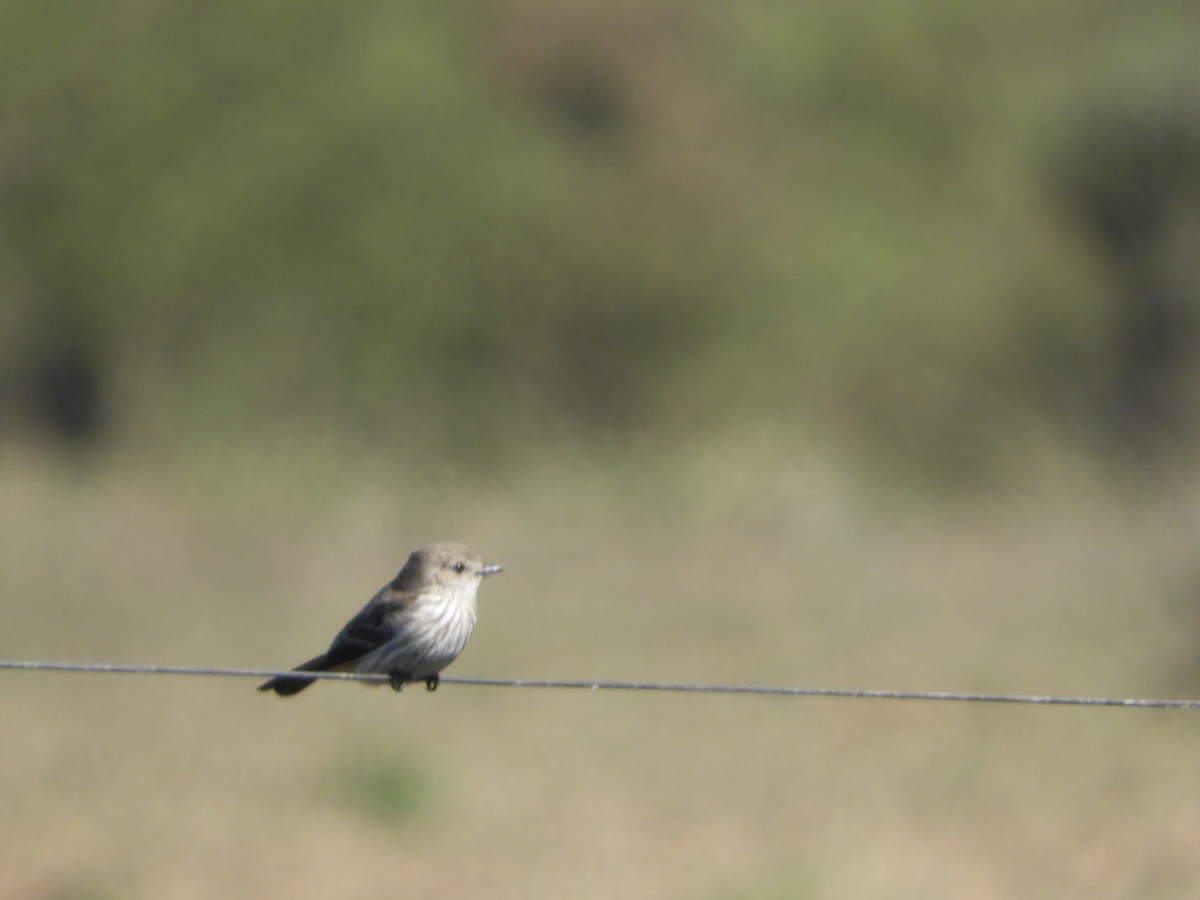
x,y
431,682
396,680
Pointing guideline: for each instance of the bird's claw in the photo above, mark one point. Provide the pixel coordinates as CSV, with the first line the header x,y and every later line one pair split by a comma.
x,y
431,682
397,679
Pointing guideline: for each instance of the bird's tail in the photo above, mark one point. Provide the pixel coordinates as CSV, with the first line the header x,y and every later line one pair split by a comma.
x,y
286,685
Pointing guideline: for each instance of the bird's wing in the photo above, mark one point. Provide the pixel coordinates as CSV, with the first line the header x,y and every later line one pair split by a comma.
x,y
370,629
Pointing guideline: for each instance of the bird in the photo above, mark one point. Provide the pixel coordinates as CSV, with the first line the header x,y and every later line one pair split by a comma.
x,y
416,625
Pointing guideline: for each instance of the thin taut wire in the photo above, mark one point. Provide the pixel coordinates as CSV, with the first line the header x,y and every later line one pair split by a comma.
x,y
852,693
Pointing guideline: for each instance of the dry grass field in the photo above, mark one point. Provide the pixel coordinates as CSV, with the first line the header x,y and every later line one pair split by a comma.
x,y
168,787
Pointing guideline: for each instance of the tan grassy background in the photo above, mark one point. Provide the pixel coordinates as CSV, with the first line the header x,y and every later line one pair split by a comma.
x,y
131,786
849,344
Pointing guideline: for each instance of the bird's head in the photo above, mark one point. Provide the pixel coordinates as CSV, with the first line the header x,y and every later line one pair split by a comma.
x,y
446,565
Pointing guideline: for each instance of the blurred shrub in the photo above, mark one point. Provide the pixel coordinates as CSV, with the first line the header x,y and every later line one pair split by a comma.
x,y
479,228
367,219
1127,173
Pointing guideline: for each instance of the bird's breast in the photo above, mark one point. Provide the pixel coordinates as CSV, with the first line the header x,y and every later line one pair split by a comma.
x,y
430,634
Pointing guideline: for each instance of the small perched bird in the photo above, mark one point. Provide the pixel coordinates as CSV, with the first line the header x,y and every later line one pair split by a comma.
x,y
413,628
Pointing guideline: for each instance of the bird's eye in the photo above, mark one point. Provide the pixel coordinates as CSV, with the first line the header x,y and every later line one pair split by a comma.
x,y
459,567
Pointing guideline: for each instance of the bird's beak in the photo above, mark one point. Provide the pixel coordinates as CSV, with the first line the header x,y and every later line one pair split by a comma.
x,y
490,569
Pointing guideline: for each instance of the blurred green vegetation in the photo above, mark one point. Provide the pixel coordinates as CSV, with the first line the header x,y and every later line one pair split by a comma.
x,y
477,230
386,790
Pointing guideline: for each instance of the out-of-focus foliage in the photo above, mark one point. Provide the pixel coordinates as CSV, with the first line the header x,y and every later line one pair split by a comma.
x,y
480,227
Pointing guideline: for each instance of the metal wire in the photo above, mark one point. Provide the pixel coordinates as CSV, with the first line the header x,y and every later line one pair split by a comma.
x,y
604,685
